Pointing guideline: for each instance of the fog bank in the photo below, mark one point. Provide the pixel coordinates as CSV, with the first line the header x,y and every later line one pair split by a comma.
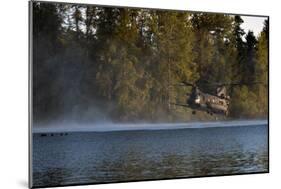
x,y
104,127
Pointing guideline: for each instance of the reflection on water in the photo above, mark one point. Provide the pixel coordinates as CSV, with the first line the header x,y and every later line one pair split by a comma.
x,y
140,155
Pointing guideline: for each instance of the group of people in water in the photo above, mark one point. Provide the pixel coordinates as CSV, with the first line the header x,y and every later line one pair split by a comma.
x,y
53,134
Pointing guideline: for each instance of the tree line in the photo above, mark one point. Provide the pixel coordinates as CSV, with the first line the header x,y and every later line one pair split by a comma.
x,y
122,64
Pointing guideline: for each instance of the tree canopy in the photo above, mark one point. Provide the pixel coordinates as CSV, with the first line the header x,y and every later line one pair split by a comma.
x,y
122,64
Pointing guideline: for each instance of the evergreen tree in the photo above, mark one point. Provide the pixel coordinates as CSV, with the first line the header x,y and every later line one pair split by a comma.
x,y
261,74
240,48
248,69
172,60
212,39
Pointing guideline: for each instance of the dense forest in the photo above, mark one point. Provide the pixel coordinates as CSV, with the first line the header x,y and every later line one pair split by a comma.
x,y
121,64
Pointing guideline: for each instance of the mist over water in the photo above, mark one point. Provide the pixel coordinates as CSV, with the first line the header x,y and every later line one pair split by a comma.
x,y
109,126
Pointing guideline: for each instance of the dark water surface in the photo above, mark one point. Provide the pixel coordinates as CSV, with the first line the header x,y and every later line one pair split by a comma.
x,y
100,157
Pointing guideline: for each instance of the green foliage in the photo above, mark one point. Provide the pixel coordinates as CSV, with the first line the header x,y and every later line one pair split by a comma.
x,y
212,49
244,103
262,70
252,100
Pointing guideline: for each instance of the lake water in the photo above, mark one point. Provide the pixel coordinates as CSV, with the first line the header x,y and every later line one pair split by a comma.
x,y
128,155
